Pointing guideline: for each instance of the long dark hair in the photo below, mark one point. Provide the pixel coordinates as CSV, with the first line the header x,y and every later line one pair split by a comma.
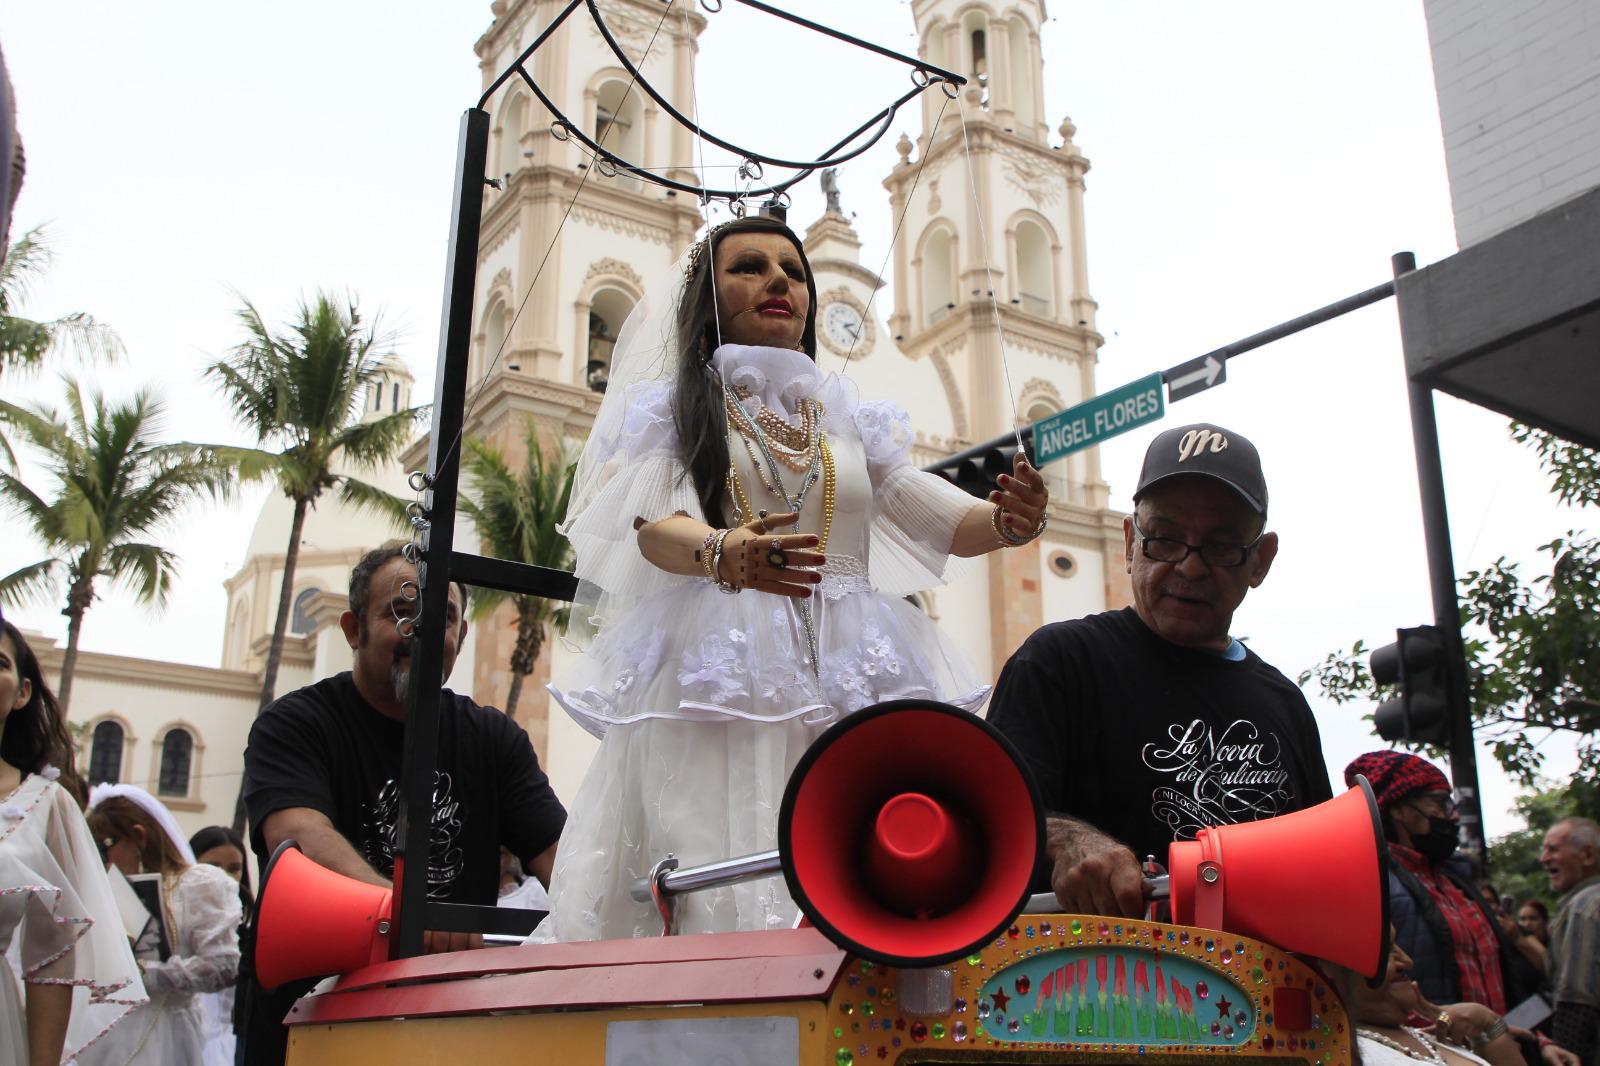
x,y
697,409
216,836
34,735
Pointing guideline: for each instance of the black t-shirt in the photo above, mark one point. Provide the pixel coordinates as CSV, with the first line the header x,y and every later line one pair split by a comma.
x,y
1152,742
326,748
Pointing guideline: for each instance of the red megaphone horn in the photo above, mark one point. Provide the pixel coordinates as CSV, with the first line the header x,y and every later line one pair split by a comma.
x,y
909,833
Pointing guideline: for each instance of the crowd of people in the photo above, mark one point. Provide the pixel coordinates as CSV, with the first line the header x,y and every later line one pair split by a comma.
x,y
747,531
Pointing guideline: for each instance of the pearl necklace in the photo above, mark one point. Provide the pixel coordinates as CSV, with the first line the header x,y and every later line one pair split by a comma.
x,y
771,477
1432,1055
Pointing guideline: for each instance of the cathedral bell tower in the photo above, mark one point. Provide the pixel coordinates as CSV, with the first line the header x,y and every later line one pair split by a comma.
x,y
1000,208
555,283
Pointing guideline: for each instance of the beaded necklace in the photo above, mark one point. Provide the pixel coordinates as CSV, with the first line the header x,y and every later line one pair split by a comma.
x,y
808,460
1432,1054
807,445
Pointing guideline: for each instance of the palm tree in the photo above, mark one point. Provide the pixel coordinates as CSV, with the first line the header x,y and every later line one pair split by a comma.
x,y
302,392
516,516
116,489
24,343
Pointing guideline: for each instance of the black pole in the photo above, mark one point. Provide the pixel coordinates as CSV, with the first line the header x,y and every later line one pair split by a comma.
x,y
420,759
1446,608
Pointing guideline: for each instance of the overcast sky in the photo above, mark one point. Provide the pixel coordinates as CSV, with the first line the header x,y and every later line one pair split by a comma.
x,y
1251,161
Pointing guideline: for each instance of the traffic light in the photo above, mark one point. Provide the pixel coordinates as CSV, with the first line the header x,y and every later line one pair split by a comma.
x,y
1419,663
974,471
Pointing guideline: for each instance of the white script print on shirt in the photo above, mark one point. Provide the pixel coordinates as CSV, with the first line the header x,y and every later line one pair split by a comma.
x,y
445,856
1217,777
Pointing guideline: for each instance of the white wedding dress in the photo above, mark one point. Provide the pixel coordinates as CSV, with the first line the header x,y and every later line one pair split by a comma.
x,y
203,908
705,701
58,921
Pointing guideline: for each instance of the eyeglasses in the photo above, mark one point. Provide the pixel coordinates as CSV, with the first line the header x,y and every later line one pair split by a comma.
x,y
1172,550
1445,805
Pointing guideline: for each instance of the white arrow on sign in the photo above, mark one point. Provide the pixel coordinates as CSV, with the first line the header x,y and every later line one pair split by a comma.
x,y
1208,371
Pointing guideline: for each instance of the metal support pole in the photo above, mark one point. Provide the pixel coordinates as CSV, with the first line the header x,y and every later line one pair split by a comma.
x,y
1446,608
414,823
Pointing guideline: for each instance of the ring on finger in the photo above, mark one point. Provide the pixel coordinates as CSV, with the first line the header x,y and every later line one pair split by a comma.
x,y
777,558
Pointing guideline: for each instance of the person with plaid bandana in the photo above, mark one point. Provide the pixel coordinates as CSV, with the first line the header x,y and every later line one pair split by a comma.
x,y
1459,953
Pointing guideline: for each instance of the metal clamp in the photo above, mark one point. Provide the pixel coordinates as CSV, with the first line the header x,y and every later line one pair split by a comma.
x,y
659,895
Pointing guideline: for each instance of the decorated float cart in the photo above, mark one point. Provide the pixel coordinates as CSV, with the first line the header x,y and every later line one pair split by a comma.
x,y
919,943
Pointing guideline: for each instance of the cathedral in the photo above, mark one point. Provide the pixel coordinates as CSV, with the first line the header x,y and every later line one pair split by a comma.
x,y
1009,218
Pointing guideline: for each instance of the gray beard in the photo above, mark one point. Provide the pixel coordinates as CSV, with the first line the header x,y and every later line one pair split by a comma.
x,y
400,679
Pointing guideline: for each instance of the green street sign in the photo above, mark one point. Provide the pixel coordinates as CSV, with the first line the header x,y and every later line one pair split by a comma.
x,y
1098,419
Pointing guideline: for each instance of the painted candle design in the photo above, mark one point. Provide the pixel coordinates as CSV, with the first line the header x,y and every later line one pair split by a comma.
x,y
1085,1025
1141,998
1061,1020
1122,1020
1041,1006
1102,1021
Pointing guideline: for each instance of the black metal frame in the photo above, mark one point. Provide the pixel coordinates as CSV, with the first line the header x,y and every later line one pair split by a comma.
x,y
434,554
923,75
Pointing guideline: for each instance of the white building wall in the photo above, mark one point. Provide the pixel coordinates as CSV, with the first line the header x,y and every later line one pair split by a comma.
x,y
1519,103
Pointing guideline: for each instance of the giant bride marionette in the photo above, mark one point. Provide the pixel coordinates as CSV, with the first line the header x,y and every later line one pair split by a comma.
x,y
746,532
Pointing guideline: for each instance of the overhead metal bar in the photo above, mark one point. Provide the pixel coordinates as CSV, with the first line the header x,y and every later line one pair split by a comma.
x,y
978,452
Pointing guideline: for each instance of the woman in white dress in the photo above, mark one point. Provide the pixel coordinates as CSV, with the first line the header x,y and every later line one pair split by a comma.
x,y
746,533
201,914
69,976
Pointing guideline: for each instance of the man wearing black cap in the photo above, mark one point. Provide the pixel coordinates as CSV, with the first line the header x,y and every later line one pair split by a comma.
x,y
1145,725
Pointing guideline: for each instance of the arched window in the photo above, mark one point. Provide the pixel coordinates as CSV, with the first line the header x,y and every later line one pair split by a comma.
x,y
177,753
618,125
938,276
495,325
976,28
300,620
512,122
608,309
1034,283
105,753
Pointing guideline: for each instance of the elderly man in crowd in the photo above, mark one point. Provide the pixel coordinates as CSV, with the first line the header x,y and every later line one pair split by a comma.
x,y
1145,725
323,767
1571,856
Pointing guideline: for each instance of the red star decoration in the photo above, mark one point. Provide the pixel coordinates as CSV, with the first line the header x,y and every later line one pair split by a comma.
x,y
1000,1000
1223,1007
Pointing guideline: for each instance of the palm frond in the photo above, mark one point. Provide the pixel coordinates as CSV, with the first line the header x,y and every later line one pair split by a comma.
x,y
24,343
146,570
362,496
516,512
29,256
34,583
368,445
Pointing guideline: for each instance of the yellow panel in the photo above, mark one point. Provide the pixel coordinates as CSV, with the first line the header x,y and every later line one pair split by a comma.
x,y
575,1038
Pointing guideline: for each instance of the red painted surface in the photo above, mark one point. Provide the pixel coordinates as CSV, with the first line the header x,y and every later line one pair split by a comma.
x,y
709,946
720,980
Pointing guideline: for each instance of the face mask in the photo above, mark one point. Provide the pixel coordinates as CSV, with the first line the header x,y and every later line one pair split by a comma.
x,y
1440,841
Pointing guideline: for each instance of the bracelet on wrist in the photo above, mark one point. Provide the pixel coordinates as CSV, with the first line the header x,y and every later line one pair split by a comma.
x,y
1494,1032
729,587
1009,539
704,556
